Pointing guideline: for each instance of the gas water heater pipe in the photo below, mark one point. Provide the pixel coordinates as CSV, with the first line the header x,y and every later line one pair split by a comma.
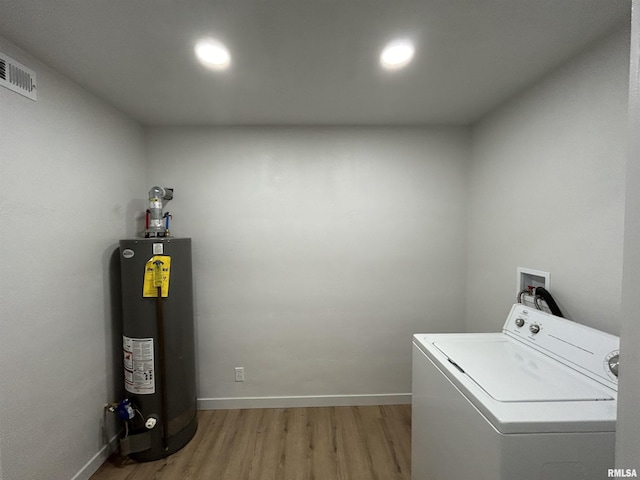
x,y
157,282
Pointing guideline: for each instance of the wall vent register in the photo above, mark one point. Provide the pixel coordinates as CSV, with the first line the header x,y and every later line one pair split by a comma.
x,y
17,77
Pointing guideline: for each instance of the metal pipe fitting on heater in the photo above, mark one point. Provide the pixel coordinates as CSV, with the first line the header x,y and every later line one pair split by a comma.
x,y
157,197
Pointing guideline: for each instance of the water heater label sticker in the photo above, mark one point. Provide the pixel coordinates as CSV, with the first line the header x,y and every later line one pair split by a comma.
x,y
158,248
138,365
128,253
156,274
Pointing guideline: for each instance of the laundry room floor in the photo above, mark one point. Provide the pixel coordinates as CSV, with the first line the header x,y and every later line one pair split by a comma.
x,y
322,443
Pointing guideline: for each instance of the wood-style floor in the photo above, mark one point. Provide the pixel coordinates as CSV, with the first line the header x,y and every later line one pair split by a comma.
x,y
320,443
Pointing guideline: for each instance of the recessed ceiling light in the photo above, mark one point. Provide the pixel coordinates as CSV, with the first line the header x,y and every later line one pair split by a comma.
x,y
397,54
213,54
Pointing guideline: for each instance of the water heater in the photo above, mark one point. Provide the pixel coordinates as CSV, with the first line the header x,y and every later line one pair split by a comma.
x,y
158,346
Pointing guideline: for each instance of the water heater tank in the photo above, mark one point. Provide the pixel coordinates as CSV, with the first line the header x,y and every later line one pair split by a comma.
x,y
158,345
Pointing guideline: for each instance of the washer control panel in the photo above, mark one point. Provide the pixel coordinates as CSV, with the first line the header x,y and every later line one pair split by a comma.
x,y
590,351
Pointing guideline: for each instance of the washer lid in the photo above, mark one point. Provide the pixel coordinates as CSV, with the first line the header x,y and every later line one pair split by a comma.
x,y
509,372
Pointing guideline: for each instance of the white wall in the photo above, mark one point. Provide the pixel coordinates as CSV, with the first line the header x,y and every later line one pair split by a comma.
x,y
69,173
547,191
628,430
317,252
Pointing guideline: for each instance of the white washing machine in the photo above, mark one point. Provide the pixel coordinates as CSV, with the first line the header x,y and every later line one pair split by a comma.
x,y
535,402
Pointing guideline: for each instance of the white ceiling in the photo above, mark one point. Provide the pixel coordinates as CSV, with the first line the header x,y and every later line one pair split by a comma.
x,y
306,62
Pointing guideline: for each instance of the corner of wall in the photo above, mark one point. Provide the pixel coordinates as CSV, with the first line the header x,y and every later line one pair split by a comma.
x,y
547,173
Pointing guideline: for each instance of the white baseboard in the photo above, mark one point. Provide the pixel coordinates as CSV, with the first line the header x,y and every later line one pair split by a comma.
x,y
304,401
97,460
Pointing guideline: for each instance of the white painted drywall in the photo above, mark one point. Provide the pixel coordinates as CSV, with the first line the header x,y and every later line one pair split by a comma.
x,y
318,252
628,428
71,169
547,191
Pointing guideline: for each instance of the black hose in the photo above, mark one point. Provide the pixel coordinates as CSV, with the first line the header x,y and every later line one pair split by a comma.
x,y
546,296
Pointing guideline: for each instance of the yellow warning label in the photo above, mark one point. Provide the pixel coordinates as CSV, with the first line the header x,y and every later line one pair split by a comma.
x,y
156,274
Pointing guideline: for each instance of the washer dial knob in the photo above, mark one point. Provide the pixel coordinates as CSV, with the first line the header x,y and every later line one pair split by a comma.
x,y
613,364
519,322
610,364
534,328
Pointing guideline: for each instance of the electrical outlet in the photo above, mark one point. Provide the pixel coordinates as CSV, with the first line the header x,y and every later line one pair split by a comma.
x,y
239,374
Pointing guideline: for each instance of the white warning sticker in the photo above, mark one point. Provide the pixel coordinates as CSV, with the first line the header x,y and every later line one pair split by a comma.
x,y
138,365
